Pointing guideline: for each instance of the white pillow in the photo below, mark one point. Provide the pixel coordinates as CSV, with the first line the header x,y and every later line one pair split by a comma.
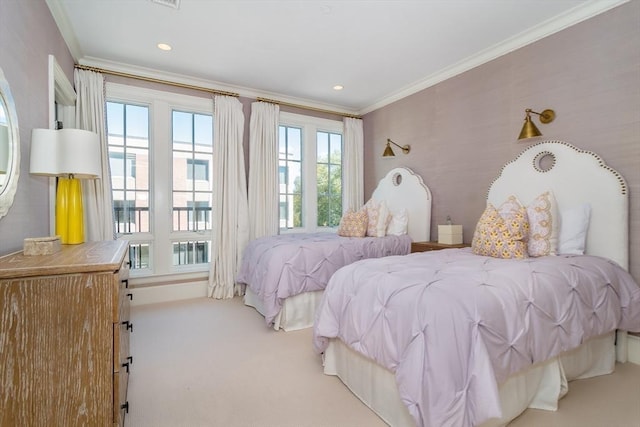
x,y
399,223
574,223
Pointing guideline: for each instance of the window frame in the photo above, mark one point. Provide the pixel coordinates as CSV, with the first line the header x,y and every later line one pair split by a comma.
x,y
161,104
310,126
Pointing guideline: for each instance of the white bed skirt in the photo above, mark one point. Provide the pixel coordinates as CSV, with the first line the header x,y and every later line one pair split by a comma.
x,y
298,312
539,387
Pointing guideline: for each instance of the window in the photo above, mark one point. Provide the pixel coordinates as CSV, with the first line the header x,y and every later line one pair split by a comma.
x,y
290,156
192,155
329,178
161,154
310,172
128,140
191,252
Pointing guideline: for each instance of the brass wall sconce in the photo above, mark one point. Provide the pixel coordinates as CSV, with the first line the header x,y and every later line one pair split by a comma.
x,y
388,151
529,129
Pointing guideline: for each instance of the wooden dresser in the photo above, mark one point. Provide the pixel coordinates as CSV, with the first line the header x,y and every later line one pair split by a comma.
x,y
64,336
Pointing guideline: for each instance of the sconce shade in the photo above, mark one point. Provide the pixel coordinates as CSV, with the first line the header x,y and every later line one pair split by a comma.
x,y
388,151
529,129
4,148
65,152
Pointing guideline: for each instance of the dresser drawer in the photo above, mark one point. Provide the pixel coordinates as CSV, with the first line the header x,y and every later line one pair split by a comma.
x,y
121,290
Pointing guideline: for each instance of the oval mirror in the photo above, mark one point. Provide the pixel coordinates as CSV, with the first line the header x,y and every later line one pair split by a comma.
x,y
9,147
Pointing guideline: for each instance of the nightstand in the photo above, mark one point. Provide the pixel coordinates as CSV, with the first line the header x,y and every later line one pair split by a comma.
x,y
434,246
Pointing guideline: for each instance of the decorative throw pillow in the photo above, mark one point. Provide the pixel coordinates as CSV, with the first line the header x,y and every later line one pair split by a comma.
x,y
384,219
353,224
399,223
543,225
516,219
379,218
509,207
574,224
501,233
372,209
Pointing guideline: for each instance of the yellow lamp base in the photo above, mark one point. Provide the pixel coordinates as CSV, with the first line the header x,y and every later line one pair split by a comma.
x,y
69,213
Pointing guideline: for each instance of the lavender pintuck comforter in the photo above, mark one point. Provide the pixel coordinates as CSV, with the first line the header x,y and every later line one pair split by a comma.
x,y
278,267
452,325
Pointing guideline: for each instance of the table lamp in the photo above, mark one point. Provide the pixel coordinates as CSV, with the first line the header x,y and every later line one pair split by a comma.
x,y
70,155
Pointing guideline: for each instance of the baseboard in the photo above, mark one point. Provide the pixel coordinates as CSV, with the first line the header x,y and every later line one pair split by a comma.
x,y
633,343
165,293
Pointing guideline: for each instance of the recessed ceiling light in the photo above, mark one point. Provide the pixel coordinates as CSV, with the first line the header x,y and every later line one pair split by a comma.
x,y
164,46
338,87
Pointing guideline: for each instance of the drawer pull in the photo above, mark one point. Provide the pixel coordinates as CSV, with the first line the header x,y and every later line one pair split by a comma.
x,y
128,264
130,296
130,359
125,406
128,325
126,283
126,366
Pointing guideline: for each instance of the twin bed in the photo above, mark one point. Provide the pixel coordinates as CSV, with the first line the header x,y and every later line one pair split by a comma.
x,y
285,275
455,338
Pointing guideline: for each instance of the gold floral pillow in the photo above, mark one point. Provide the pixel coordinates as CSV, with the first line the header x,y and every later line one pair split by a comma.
x,y
353,224
502,232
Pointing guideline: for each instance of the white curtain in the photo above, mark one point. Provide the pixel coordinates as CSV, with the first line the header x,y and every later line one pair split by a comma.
x,y
263,169
231,212
353,172
96,194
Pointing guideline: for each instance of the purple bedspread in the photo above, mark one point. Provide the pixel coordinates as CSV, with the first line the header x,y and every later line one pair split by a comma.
x,y
452,325
279,267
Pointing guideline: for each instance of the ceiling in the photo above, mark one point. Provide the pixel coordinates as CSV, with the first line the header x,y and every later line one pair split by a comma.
x,y
298,50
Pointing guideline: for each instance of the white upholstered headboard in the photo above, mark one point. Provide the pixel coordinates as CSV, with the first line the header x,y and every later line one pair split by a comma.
x,y
575,177
402,188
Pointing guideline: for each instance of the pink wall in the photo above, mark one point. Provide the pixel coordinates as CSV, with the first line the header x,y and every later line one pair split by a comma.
x,y
463,130
28,35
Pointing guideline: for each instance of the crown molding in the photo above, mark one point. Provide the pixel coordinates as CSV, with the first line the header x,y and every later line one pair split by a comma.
x,y
65,29
209,84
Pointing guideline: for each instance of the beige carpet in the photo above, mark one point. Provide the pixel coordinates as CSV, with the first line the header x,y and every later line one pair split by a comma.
x,y
210,363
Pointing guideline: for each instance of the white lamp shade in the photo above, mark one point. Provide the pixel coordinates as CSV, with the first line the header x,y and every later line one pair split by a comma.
x,y
4,149
44,152
79,153
65,152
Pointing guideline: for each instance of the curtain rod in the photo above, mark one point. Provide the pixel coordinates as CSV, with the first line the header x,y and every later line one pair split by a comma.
x,y
304,107
213,91
153,80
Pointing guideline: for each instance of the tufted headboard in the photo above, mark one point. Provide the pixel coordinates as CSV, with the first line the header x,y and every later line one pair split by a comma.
x,y
402,188
575,176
